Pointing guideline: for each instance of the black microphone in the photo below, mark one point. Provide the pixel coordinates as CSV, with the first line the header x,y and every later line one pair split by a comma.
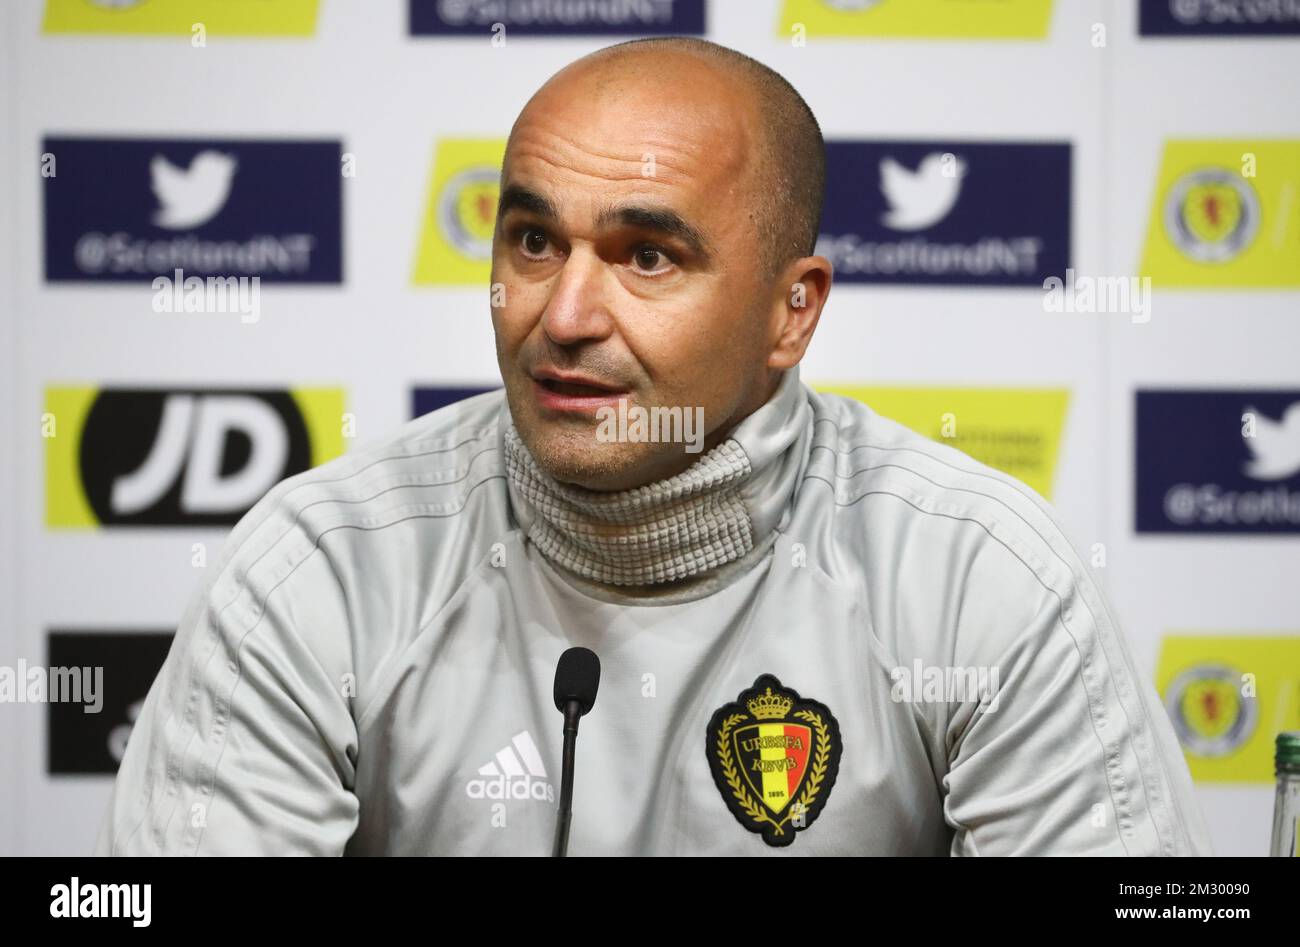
x,y
577,678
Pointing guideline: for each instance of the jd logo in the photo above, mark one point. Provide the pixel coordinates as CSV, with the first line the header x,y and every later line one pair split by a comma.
x,y
179,458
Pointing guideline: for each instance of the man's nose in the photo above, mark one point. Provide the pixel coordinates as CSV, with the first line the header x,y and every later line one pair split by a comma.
x,y
577,310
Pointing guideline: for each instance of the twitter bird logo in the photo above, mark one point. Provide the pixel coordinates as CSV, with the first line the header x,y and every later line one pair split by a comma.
x,y
191,197
920,198
1275,446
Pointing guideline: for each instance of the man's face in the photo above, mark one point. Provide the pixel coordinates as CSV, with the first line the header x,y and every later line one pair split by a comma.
x,y
631,268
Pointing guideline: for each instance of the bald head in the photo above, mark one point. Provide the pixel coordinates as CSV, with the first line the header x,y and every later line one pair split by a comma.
x,y
787,159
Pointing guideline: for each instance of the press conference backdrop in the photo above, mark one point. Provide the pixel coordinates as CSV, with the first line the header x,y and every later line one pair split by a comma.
x,y
1004,178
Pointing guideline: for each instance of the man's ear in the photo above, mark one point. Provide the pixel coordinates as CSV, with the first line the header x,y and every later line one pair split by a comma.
x,y
799,295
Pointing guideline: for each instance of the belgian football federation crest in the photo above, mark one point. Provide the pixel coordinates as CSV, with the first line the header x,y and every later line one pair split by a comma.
x,y
774,756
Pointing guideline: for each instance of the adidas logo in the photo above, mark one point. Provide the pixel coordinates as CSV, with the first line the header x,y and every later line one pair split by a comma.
x,y
516,772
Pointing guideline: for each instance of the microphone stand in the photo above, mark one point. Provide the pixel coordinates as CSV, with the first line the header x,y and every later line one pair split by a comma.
x,y
572,714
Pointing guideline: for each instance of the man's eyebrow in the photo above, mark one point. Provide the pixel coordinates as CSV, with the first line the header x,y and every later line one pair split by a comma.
x,y
661,219
516,196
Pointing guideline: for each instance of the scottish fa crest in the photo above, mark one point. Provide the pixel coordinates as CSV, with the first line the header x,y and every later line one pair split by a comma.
x,y
774,756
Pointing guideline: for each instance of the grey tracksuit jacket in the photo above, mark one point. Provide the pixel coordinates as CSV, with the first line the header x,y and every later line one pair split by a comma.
x,y
368,670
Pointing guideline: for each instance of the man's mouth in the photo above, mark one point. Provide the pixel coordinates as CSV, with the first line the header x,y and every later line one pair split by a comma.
x,y
576,389
574,394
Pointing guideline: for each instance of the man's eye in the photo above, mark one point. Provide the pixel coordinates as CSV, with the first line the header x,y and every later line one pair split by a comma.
x,y
650,258
534,242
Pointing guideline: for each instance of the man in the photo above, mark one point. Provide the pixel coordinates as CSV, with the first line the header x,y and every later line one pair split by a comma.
x,y
820,633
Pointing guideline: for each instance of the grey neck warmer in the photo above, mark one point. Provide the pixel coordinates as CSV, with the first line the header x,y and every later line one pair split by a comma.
x,y
710,514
